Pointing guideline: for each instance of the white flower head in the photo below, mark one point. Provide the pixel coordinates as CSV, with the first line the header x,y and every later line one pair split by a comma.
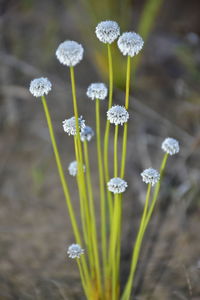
x,y
69,125
40,86
117,115
130,43
107,31
170,146
117,185
73,168
69,53
97,91
150,176
75,251
87,133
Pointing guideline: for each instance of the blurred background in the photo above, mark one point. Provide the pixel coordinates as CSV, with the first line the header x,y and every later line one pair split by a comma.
x,y
34,226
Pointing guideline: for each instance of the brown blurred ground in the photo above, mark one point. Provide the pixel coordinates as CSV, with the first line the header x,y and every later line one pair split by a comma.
x,y
34,225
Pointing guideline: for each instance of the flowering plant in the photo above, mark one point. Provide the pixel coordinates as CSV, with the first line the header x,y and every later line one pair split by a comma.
x,y
98,258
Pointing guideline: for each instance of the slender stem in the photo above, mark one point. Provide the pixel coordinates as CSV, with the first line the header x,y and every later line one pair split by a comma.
x,y
114,237
128,72
119,245
152,206
150,211
101,183
84,284
124,150
84,206
106,169
93,218
64,183
115,151
74,100
61,172
80,162
113,244
82,202
124,145
156,191
110,76
136,251
107,131
80,154
79,159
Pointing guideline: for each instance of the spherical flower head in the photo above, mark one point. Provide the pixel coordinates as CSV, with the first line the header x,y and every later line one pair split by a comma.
x,y
130,43
97,91
73,168
69,125
87,133
150,176
69,53
75,251
40,87
107,31
117,185
170,146
117,115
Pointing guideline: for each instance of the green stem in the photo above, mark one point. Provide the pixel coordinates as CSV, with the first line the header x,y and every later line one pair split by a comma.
x,y
113,244
80,154
79,159
107,131
81,272
114,236
81,200
115,151
74,101
86,213
136,251
110,76
128,72
106,168
152,206
61,172
119,244
156,191
63,182
93,218
124,150
124,144
101,183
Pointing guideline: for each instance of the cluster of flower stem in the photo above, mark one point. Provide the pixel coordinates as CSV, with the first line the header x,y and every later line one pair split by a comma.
x,y
99,266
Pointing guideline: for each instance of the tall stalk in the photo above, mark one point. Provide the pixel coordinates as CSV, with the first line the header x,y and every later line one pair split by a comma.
x,y
124,143
107,130
64,185
93,218
80,176
136,251
101,184
60,171
142,229
156,191
115,151
113,245
115,229
84,213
